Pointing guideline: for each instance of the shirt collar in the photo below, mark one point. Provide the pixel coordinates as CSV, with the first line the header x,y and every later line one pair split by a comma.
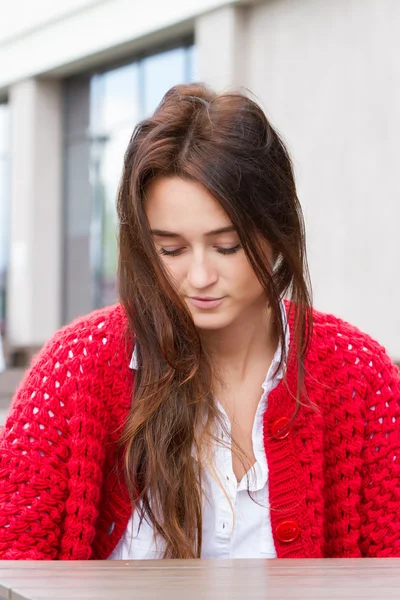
x,y
134,360
278,354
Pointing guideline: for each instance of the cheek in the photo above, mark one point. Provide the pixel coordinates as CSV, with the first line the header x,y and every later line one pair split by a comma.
x,y
173,269
243,278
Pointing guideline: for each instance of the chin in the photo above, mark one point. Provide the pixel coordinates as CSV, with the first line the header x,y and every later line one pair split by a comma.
x,y
211,322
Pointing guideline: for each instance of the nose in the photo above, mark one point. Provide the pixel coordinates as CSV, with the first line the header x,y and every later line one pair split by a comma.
x,y
201,273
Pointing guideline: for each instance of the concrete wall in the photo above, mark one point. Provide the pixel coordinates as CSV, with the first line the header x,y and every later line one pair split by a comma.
x,y
328,75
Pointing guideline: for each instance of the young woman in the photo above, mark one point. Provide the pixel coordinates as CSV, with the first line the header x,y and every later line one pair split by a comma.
x,y
213,412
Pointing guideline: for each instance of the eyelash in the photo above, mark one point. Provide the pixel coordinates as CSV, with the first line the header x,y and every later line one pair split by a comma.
x,y
224,251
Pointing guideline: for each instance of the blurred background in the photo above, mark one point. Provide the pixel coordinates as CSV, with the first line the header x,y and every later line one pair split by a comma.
x,y
75,78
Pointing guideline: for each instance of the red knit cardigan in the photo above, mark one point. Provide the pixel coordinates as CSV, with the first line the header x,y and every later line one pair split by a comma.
x,y
334,477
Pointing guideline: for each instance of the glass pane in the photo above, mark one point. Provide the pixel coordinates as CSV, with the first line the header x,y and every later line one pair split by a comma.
x,y
5,207
160,72
76,108
114,99
114,113
78,295
191,64
112,161
77,298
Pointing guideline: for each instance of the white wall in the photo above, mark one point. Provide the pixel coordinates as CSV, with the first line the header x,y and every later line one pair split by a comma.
x,y
328,75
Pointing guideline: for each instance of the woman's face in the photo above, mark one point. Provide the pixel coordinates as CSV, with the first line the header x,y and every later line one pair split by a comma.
x,y
201,251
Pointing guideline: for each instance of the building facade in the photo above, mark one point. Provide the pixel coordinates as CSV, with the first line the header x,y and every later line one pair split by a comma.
x,y
77,76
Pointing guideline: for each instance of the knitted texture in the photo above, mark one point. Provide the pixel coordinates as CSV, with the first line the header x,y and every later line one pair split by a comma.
x,y
334,479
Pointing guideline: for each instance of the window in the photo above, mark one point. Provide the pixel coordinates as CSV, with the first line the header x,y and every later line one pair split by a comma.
x,y
101,112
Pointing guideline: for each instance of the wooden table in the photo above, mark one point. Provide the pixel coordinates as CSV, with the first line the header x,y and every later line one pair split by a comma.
x,y
328,579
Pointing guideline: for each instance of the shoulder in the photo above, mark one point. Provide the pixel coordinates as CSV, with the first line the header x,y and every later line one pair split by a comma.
x,y
80,375
86,335
110,320
88,354
343,348
330,331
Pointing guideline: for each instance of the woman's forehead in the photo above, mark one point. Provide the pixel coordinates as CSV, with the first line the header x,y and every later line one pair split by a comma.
x,y
177,205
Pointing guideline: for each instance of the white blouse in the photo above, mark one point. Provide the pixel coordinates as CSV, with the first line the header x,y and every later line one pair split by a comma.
x,y
236,520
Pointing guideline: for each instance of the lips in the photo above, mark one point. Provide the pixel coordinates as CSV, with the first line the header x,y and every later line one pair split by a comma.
x,y
205,302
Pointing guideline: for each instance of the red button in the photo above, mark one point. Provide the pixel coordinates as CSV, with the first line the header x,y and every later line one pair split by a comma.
x,y
287,531
280,428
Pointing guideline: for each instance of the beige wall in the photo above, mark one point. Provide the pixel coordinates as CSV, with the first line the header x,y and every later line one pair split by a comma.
x,y
328,75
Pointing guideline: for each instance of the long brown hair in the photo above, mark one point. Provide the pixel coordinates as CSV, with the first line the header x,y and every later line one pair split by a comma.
x,y
226,143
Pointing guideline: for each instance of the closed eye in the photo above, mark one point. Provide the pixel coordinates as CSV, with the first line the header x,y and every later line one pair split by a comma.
x,y
170,252
230,250
224,251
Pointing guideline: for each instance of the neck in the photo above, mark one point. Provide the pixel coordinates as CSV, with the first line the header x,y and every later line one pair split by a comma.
x,y
248,343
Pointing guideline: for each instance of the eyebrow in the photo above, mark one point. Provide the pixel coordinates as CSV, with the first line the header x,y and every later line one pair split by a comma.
x,y
162,233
